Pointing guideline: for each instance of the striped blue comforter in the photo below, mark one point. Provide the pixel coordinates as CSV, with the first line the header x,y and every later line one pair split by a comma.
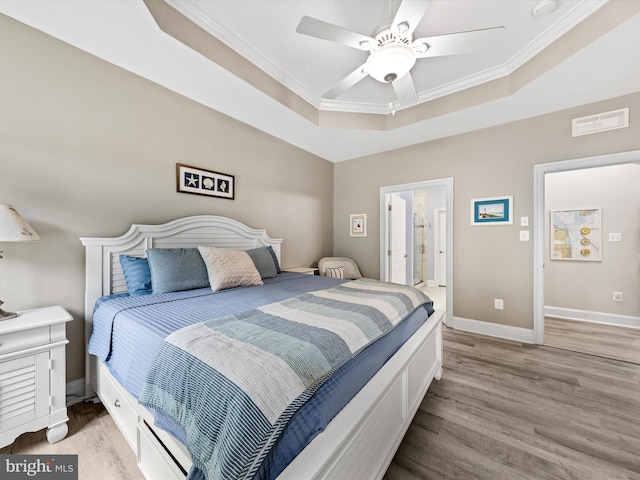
x,y
233,383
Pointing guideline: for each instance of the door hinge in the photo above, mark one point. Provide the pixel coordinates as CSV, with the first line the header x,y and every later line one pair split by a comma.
x,y
389,252
51,364
389,207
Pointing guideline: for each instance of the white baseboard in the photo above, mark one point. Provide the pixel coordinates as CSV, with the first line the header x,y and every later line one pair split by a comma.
x,y
75,391
508,332
588,316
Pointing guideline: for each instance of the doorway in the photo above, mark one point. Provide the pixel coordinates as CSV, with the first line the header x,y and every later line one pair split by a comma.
x,y
425,204
573,318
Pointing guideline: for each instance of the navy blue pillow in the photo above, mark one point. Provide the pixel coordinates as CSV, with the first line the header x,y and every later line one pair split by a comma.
x,y
137,275
176,269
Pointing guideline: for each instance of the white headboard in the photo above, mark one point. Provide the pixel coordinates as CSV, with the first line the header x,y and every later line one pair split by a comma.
x,y
103,271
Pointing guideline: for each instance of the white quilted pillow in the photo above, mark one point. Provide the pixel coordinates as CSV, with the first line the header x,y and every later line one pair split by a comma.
x,y
229,268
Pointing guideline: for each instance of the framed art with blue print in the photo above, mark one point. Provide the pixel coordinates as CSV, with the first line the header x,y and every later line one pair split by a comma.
x,y
492,211
205,182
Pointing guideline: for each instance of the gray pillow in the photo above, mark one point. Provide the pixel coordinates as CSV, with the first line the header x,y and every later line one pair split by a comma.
x,y
175,269
264,262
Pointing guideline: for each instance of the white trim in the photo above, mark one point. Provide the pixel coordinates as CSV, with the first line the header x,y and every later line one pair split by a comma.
x,y
539,171
594,317
193,12
75,391
508,332
384,232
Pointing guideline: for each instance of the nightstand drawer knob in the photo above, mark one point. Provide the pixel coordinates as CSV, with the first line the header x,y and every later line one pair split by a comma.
x,y
117,403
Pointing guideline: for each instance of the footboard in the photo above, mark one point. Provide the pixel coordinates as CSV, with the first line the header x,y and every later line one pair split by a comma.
x,y
360,441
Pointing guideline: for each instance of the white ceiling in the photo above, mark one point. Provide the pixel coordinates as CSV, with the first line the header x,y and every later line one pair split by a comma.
x,y
124,33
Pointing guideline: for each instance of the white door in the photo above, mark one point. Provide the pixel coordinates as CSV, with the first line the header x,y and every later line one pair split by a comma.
x,y
398,239
440,247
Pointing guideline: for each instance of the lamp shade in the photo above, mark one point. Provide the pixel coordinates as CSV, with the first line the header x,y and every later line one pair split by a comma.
x,y
14,228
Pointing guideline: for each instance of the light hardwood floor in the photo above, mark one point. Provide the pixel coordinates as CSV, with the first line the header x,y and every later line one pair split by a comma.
x,y
611,341
103,453
503,410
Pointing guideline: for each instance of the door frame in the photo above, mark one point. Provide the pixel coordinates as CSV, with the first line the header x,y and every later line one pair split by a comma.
x,y
384,231
539,229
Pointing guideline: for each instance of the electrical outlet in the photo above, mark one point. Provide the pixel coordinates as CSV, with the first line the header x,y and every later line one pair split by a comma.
x,y
615,237
498,304
617,296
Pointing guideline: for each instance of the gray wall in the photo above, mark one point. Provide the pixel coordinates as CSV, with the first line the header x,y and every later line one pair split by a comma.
x,y
490,261
589,285
86,149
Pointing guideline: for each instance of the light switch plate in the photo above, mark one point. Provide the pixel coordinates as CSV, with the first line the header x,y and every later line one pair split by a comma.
x,y
524,235
524,221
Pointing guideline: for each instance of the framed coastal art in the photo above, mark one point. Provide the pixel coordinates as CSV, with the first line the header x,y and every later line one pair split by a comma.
x,y
358,224
204,182
576,235
492,210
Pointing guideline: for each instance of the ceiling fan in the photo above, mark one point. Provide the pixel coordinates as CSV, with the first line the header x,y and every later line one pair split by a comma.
x,y
392,50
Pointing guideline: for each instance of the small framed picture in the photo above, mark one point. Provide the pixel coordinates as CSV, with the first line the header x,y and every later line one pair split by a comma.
x,y
358,224
492,211
204,182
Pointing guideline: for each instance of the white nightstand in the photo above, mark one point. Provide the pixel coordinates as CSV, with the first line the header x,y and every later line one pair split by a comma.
x,y
306,270
32,374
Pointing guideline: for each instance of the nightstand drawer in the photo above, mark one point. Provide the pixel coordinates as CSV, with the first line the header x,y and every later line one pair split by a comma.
x,y
14,341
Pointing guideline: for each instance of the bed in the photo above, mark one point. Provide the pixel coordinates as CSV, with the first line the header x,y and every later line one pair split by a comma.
x,y
359,439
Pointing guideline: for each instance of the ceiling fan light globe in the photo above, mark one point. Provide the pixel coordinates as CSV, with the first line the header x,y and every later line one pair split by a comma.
x,y
391,61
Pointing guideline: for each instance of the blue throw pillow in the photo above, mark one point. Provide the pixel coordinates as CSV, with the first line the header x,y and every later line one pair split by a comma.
x,y
264,261
176,269
136,274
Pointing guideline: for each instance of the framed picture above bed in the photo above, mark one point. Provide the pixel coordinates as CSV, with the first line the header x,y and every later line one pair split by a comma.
x,y
492,210
204,182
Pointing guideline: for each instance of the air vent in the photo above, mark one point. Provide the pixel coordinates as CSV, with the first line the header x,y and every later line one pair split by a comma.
x,y
600,122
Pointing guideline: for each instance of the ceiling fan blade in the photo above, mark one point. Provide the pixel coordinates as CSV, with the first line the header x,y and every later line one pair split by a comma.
x,y
328,31
346,83
405,89
411,12
457,43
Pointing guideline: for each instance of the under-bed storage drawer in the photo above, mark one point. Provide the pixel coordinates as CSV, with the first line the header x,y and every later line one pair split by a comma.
x,y
421,366
153,460
115,399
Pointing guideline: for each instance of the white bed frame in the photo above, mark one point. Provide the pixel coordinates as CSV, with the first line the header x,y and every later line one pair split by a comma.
x,y
360,441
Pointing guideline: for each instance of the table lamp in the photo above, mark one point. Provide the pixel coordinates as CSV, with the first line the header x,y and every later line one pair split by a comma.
x,y
13,228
